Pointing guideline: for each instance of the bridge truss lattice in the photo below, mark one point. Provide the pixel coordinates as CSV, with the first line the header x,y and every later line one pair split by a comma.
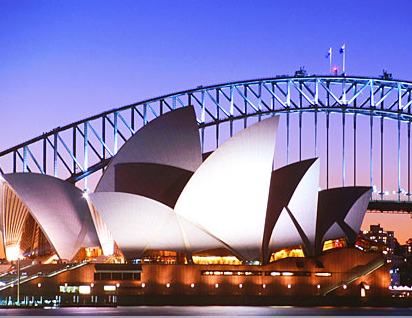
x,y
363,124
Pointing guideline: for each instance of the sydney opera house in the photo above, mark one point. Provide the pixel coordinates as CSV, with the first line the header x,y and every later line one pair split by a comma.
x,y
167,219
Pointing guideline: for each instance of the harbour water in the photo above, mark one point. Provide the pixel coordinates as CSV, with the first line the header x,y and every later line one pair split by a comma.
x,y
210,311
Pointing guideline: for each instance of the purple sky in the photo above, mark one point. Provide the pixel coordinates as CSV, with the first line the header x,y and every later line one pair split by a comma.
x,y
62,61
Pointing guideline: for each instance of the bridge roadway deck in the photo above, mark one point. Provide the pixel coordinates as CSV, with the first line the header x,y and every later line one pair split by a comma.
x,y
382,206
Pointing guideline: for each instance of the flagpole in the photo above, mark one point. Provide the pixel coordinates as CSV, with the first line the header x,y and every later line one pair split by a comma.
x,y
344,56
330,61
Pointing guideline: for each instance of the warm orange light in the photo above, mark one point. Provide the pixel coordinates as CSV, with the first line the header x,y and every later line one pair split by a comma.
x,y
287,274
323,274
334,244
211,260
294,252
362,292
84,289
12,252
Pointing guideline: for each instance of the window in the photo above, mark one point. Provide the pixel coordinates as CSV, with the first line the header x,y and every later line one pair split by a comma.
x,y
117,276
231,273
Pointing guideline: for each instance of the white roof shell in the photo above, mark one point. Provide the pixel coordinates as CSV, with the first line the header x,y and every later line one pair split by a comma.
x,y
138,223
60,210
303,207
105,237
228,194
348,205
171,139
357,212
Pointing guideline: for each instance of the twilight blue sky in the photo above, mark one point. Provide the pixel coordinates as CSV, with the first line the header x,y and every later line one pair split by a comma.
x,y
62,61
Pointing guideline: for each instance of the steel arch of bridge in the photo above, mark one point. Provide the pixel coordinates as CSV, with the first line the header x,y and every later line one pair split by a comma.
x,y
75,151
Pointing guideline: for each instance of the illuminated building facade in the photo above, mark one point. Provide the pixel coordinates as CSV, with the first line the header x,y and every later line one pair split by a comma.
x,y
381,240
194,224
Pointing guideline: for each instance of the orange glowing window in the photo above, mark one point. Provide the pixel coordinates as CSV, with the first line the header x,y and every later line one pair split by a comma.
x,y
338,243
292,252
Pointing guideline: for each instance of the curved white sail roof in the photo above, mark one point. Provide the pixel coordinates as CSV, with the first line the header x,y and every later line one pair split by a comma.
x,y
357,211
232,200
60,210
138,223
340,213
301,212
228,194
171,139
103,232
283,184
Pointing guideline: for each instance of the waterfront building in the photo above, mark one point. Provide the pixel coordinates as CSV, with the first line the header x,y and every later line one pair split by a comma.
x,y
167,219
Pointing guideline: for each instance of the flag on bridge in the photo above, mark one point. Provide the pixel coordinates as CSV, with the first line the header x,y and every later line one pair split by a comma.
x,y
329,53
343,51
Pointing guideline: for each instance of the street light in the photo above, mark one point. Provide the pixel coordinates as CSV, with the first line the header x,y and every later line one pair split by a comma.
x,y
18,281
13,254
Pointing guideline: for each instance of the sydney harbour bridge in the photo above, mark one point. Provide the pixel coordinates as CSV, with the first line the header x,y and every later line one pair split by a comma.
x,y
360,127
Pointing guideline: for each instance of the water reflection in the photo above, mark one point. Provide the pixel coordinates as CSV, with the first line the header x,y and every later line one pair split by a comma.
x,y
211,311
